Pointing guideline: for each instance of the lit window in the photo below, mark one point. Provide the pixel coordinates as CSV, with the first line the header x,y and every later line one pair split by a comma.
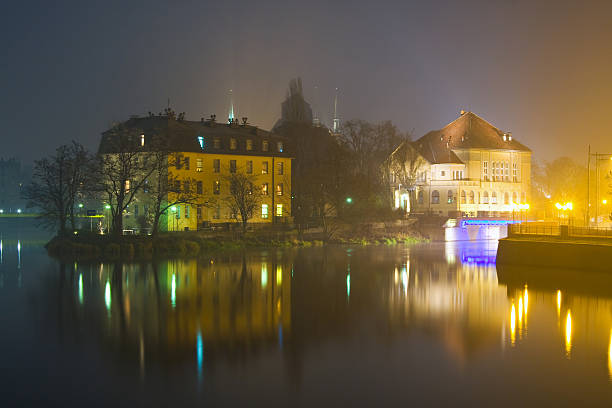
x,y
186,211
142,140
217,187
463,197
281,168
199,165
233,144
494,198
249,144
485,198
264,167
435,197
127,186
485,170
264,189
264,211
279,210
279,145
449,196
279,189
201,142
264,146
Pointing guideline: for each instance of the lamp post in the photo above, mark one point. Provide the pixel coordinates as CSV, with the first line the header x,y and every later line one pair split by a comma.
x,y
107,207
607,157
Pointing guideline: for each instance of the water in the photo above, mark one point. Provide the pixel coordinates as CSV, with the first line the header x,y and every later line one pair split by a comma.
x,y
429,324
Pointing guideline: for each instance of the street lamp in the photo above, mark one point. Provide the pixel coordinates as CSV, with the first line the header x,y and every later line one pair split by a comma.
x,y
349,200
173,209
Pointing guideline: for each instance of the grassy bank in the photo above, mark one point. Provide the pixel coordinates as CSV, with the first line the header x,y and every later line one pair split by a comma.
x,y
192,244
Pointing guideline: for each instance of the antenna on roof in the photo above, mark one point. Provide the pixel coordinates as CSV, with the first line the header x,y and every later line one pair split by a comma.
x,y
336,123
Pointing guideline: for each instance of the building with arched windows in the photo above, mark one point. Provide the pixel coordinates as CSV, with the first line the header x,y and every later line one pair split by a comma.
x,y
469,168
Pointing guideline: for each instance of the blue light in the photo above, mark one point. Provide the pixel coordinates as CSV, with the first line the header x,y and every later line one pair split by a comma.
x,y
200,353
464,223
201,142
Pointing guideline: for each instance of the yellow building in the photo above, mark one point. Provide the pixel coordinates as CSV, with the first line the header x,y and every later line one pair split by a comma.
x,y
468,168
204,154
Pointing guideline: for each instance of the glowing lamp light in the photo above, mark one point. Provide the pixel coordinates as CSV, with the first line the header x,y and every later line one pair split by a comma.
x,y
173,208
349,200
107,207
1,211
569,206
604,201
80,205
19,211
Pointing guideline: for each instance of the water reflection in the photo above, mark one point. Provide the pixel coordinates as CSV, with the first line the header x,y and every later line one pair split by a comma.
x,y
284,314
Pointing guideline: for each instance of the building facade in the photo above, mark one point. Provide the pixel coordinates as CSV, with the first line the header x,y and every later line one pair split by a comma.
x,y
203,154
469,168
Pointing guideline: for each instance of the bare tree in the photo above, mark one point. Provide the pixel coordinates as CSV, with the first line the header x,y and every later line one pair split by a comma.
x,y
244,197
57,181
124,169
165,189
404,163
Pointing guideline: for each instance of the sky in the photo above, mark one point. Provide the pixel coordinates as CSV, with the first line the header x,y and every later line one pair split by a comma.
x,y
539,69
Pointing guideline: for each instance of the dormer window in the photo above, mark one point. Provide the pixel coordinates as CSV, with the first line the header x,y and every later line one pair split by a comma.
x,y
264,146
279,146
233,143
249,144
217,143
142,140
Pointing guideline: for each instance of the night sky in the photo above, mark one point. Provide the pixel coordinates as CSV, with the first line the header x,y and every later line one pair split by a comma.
x,y
542,70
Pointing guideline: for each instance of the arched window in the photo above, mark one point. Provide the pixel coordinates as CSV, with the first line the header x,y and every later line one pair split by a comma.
x,y
420,197
450,197
506,198
494,198
471,197
463,197
485,198
515,198
435,197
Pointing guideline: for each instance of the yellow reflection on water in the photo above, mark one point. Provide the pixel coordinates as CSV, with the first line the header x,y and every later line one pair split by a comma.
x,y
264,275
526,297
558,303
107,296
81,288
279,275
520,310
512,325
568,333
610,357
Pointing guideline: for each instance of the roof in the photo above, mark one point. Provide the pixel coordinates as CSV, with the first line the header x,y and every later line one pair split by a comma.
x,y
468,131
183,136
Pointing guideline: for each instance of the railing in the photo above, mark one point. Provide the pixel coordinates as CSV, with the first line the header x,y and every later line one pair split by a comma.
x,y
527,230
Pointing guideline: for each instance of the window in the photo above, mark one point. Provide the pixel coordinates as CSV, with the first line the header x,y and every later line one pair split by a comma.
x,y
216,165
217,213
279,210
232,166
279,146
515,174
506,171
449,196
142,140
279,189
422,176
458,175
485,170
471,197
435,197
442,173
177,162
506,198
249,166
199,188
264,167
178,212
216,187
233,143
420,197
177,186
186,211
127,186
199,165
264,189
201,142
199,212
494,198
249,144
264,146
281,168
264,211
186,187
186,163
485,198
217,143
463,197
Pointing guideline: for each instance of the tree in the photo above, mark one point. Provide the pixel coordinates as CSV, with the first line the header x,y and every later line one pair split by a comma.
x,y
123,170
244,197
404,163
165,189
57,180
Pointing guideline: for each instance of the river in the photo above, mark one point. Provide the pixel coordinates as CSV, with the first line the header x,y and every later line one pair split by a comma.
x,y
429,324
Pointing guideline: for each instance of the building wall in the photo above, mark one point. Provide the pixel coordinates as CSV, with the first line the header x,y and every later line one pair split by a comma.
x,y
494,191
186,216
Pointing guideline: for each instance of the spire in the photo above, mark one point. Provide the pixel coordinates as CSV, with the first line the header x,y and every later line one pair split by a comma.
x,y
230,116
315,120
336,124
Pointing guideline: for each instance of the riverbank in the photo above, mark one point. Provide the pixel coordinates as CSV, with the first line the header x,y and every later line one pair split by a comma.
x,y
87,246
